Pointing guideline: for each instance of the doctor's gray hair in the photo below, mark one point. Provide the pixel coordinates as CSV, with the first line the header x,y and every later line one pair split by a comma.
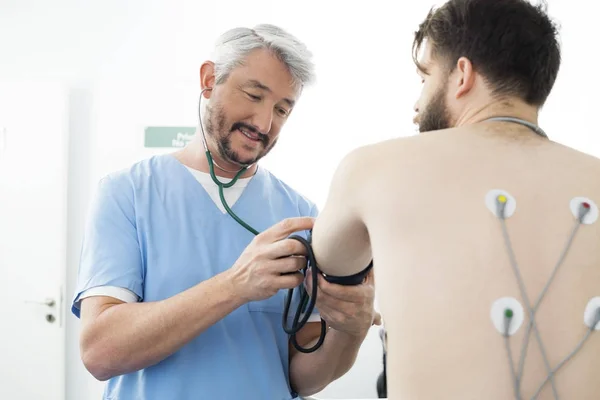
x,y
233,46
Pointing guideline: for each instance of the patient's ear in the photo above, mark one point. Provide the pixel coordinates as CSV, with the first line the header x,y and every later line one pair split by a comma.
x,y
464,76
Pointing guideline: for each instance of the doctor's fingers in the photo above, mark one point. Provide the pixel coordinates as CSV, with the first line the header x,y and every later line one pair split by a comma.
x,y
286,265
285,228
289,281
351,293
285,248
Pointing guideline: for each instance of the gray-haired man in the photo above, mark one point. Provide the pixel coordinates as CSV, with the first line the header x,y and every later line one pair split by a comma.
x,y
178,300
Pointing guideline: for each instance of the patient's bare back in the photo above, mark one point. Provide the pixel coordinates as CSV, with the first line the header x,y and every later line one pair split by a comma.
x,y
468,228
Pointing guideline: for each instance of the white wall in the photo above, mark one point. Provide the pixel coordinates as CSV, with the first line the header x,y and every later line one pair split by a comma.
x,y
135,63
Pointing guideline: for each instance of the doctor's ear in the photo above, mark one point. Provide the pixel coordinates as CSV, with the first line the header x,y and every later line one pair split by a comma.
x,y
206,92
207,78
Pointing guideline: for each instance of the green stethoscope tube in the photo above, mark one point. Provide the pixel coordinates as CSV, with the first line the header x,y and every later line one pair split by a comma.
x,y
307,303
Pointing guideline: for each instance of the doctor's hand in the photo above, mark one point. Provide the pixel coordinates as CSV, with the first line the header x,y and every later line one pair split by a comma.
x,y
271,261
349,309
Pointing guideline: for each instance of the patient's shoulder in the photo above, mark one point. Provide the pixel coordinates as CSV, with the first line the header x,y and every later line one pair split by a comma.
x,y
399,151
368,159
582,155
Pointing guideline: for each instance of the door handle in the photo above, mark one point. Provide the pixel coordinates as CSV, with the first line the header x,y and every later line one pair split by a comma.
x,y
49,302
54,312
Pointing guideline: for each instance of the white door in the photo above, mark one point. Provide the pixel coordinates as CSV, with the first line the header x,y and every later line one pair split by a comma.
x,y
33,204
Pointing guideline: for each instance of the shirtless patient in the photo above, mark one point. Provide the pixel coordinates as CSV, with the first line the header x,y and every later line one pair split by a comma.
x,y
442,213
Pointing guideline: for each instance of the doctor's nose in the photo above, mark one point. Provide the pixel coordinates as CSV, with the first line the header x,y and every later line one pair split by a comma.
x,y
263,120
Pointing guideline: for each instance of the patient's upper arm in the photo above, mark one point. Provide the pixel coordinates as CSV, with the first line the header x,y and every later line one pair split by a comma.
x,y
340,238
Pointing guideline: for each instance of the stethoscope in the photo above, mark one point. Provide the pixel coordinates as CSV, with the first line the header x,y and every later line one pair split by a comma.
x,y
306,303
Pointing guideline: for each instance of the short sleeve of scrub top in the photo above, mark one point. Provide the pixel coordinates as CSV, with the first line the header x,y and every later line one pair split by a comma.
x,y
110,254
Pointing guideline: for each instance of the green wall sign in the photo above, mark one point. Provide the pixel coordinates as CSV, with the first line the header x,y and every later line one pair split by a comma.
x,y
168,136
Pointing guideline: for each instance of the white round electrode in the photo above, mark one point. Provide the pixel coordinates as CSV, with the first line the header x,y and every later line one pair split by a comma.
x,y
491,199
498,314
590,312
592,214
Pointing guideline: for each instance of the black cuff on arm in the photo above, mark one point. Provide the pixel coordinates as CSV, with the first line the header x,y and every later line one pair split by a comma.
x,y
355,279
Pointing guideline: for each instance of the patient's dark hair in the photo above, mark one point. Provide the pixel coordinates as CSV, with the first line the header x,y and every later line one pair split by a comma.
x,y
513,44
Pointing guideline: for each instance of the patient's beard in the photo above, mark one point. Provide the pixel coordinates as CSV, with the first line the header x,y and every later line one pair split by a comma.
x,y
436,115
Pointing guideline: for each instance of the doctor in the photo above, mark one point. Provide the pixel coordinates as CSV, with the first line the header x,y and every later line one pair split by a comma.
x,y
176,299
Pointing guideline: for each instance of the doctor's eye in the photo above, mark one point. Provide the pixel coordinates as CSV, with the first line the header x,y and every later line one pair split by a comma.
x,y
283,112
253,97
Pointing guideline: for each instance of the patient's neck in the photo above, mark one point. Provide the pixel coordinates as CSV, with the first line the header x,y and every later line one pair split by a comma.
x,y
507,107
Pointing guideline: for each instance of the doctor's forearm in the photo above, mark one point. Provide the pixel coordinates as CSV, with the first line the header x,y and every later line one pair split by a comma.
x,y
312,372
127,337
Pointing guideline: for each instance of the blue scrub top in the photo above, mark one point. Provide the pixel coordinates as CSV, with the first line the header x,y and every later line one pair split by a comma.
x,y
154,230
